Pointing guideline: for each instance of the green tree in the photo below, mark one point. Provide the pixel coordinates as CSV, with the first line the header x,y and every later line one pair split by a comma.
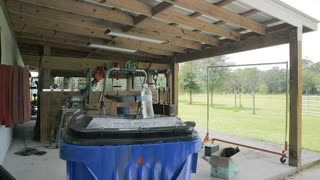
x,y
217,75
251,76
311,79
275,79
188,79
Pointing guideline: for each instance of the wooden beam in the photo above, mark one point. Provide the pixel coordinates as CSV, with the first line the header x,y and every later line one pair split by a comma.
x,y
122,18
155,10
71,51
51,44
195,14
174,40
272,38
295,88
224,2
142,8
44,33
249,12
98,24
74,19
46,50
160,7
52,36
78,41
63,63
78,30
175,85
244,14
209,9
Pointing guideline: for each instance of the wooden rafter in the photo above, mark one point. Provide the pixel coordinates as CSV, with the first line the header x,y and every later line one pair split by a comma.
x,y
142,8
85,22
209,9
155,10
91,27
44,24
244,14
223,2
83,51
43,35
275,36
60,33
123,18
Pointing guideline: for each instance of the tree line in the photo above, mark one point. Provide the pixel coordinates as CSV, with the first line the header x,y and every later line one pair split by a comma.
x,y
193,78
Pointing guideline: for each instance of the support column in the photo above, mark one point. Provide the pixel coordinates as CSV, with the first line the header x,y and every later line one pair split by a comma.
x,y
295,88
129,82
175,84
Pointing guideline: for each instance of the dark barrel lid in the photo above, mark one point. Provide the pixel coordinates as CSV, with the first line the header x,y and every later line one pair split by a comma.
x,y
85,129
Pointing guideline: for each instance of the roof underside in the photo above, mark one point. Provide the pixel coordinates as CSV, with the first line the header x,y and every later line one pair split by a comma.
x,y
159,30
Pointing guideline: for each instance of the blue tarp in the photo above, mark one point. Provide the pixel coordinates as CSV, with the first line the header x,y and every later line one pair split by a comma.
x,y
162,161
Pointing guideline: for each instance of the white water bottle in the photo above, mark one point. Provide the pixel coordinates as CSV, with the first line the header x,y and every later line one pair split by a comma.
x,y
146,99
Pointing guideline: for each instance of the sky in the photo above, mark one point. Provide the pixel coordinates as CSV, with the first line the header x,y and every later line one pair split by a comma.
x,y
310,41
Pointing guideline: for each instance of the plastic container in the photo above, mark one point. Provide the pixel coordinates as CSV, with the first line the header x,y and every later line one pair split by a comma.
x,y
112,148
147,105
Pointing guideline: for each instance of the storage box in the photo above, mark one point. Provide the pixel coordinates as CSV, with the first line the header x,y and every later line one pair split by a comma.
x,y
210,148
223,167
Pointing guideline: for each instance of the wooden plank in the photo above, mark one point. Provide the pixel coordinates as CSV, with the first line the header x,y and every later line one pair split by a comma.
x,y
155,10
209,9
142,8
67,50
81,22
46,50
67,63
123,18
295,87
244,14
160,7
195,14
182,33
175,40
72,29
272,38
175,85
224,2
199,24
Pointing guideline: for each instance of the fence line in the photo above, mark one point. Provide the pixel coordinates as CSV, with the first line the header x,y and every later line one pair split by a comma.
x,y
311,105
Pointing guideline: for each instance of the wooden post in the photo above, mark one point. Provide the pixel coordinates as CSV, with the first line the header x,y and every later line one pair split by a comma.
x,y
295,88
129,82
175,84
46,50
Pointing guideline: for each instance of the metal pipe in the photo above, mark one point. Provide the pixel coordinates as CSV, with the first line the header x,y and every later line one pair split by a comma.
x,y
250,147
106,75
287,107
287,94
272,63
208,101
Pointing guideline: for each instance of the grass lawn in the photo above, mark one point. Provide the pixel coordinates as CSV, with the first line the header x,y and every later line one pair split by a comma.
x,y
268,124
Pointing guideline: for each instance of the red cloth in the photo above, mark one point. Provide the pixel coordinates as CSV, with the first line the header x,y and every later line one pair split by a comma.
x,y
2,95
15,105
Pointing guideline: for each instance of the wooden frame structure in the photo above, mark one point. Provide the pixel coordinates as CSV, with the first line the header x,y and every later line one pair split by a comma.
x,y
187,29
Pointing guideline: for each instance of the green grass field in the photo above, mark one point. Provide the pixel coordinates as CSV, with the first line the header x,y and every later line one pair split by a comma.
x,y
268,124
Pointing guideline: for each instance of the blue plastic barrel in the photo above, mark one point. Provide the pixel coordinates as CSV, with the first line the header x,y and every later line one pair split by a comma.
x,y
161,161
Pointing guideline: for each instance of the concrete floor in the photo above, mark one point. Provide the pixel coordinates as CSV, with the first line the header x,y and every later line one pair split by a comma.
x,y
253,164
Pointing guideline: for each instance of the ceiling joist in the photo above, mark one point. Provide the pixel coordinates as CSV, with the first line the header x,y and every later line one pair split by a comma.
x,y
56,16
142,8
113,15
212,10
66,28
